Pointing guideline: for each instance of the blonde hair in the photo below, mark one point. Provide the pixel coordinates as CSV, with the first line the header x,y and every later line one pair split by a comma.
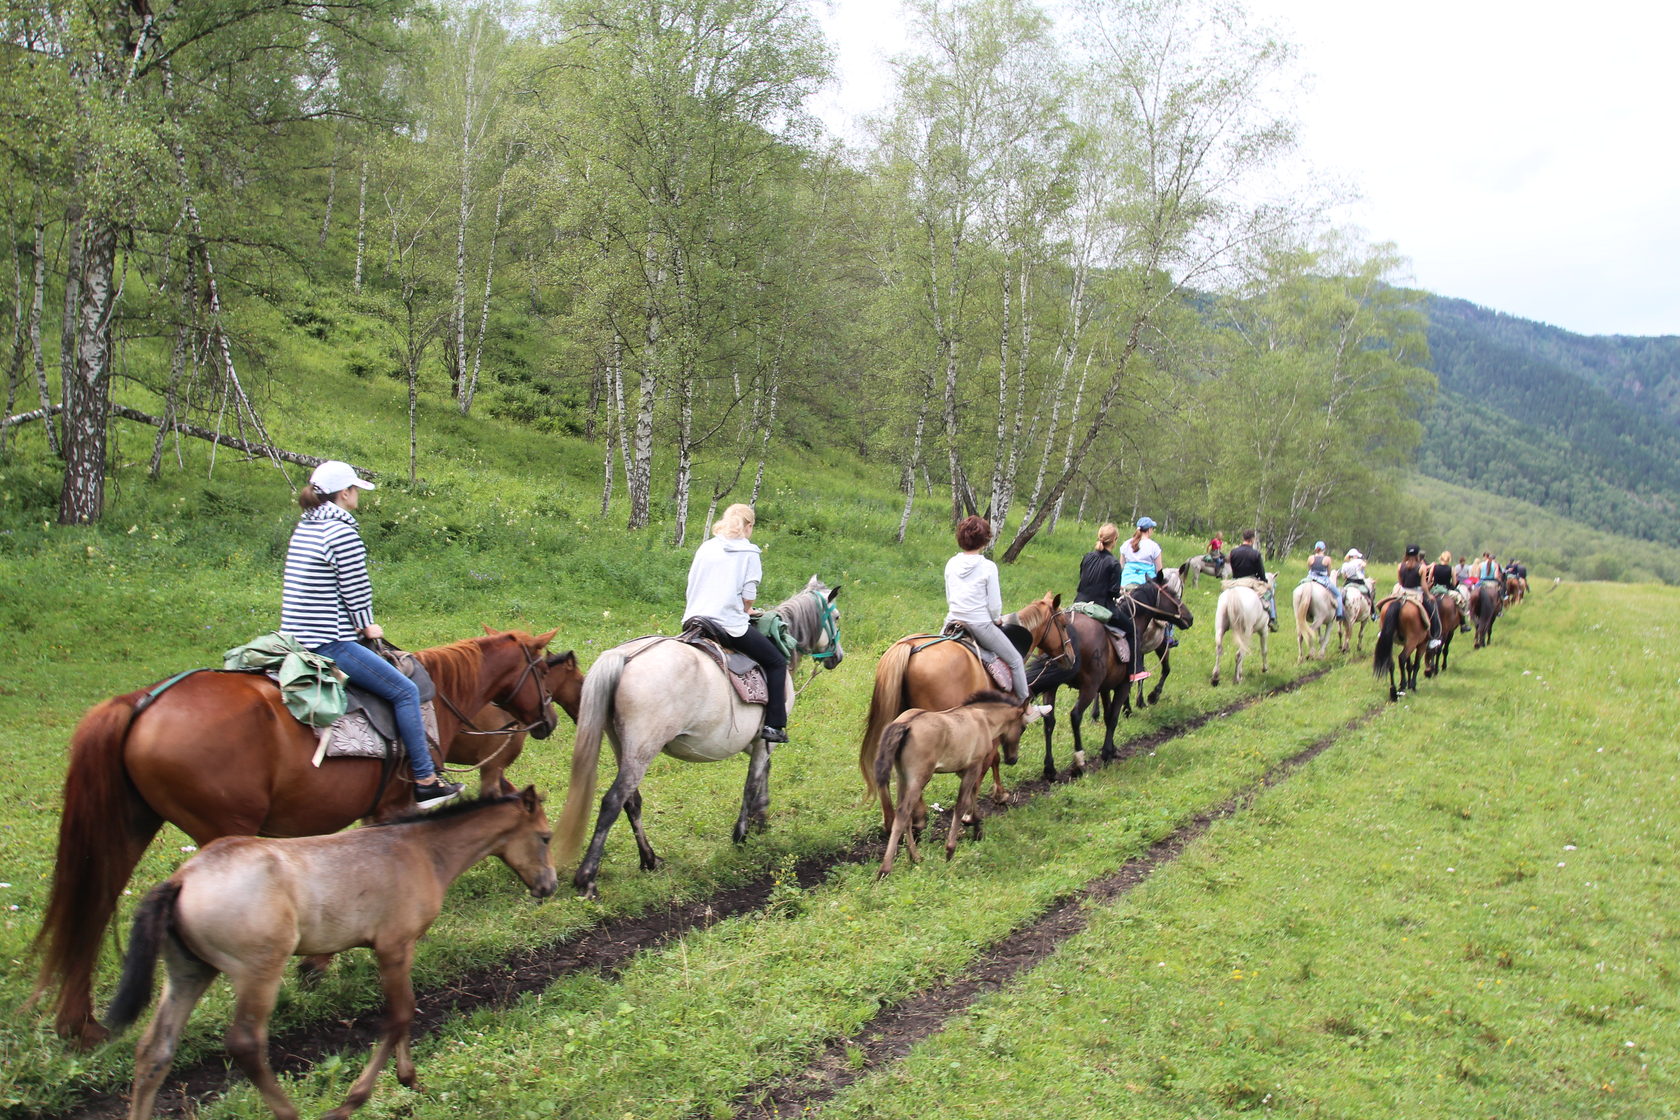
x,y
1446,558
1107,534
737,521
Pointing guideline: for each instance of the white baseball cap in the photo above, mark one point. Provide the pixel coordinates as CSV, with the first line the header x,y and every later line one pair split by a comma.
x,y
332,476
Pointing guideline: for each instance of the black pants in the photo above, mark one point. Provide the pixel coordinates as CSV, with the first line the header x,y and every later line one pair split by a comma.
x,y
1433,610
762,650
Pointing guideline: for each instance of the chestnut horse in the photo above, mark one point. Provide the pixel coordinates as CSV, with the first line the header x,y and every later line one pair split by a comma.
x,y
1451,616
1405,620
1485,606
217,754
497,738
922,671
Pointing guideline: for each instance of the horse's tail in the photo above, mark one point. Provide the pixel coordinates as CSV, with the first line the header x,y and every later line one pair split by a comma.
x,y
151,925
885,704
101,835
1382,660
595,709
892,741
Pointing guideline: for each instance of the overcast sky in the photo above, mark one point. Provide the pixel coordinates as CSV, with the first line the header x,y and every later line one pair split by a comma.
x,y
1523,155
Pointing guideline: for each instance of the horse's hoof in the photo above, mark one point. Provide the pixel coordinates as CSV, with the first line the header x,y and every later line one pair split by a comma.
x,y
651,864
309,972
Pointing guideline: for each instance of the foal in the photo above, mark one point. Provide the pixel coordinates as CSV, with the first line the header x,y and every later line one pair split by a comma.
x,y
965,740
245,903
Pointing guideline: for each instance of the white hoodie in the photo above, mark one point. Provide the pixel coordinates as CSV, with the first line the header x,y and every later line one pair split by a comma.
x,y
725,571
971,589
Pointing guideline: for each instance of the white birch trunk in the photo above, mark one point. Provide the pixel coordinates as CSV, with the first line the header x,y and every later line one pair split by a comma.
x,y
484,307
361,225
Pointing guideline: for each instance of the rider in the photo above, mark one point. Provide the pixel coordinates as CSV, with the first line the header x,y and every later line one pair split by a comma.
x,y
722,586
1443,580
1409,578
1318,570
1216,553
1462,574
1248,564
326,603
973,598
1140,562
1353,572
1099,584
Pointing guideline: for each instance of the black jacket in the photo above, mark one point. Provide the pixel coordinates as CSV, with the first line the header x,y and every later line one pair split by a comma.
x,y
1246,561
1099,578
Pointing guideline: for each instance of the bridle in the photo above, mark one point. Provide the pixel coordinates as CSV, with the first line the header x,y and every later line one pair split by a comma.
x,y
536,667
828,617
1068,654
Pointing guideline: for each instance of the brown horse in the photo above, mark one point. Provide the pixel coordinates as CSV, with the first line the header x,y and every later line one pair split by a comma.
x,y
963,740
1485,606
497,738
217,754
244,904
1515,588
1451,617
1088,665
1405,620
921,671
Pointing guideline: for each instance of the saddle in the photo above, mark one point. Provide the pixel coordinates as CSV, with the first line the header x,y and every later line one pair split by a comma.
x,y
744,674
368,728
1116,639
995,666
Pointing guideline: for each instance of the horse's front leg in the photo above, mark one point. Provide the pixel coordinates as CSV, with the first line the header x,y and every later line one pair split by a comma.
x,y
395,963
1111,717
1075,718
967,807
1049,736
1166,671
633,813
755,795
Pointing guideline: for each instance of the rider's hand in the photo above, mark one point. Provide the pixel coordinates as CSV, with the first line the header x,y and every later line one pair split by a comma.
x,y
374,632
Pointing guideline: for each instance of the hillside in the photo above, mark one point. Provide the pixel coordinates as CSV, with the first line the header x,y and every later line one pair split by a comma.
x,y
1585,427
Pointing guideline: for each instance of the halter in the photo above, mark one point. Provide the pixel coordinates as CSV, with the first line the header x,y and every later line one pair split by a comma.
x,y
505,700
829,617
1068,654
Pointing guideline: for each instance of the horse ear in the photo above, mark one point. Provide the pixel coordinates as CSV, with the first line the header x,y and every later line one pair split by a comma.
x,y
490,630
832,594
529,799
1056,601
541,640
555,660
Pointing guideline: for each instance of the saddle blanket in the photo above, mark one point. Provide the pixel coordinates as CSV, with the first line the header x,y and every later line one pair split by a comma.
x,y
354,736
744,675
996,667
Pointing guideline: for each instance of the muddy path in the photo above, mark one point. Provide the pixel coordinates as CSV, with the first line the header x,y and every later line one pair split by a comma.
x,y
609,948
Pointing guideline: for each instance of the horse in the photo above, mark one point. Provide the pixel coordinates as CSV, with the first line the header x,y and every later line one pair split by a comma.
x,y
1153,637
495,739
1086,664
654,695
930,672
217,754
1405,619
1356,607
1515,588
1315,617
1446,606
1241,611
961,740
244,904
1200,564
1484,608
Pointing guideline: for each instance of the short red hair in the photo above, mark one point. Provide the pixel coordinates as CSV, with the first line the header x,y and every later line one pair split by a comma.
x,y
972,533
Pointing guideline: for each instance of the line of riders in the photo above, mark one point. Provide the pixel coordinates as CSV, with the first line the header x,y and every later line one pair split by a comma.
x,y
327,599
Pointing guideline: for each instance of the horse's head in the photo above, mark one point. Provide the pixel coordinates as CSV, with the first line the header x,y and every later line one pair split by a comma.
x,y
518,676
1009,739
1169,600
527,848
1042,619
814,621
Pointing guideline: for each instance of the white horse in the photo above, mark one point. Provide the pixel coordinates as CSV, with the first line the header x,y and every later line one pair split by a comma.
x,y
1356,607
1241,611
1315,616
1200,564
652,695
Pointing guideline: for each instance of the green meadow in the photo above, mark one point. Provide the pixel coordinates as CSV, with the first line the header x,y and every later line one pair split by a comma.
x,y
1386,932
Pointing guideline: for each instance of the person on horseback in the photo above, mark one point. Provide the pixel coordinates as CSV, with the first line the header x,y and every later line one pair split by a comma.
x,y
1248,564
1216,554
973,598
1353,572
1488,569
1462,574
1140,562
1318,570
1099,585
1443,580
1409,585
722,586
326,603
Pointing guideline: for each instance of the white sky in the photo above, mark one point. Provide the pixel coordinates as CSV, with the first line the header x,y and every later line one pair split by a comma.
x,y
1523,155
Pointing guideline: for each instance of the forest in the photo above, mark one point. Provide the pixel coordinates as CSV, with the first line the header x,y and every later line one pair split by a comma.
x,y
1060,273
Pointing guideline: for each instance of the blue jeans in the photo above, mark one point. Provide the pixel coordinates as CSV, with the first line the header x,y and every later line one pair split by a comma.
x,y
368,670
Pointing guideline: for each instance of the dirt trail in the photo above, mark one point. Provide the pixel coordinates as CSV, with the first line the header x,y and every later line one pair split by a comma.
x,y
606,949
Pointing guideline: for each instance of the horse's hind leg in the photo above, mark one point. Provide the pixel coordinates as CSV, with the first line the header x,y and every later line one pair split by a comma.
x,y
755,795
631,767
255,988
184,984
633,813
395,962
966,806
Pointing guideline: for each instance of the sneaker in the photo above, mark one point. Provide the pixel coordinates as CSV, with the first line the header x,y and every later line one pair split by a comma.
x,y
1272,626
1464,628
773,734
1135,677
1172,643
1434,643
431,795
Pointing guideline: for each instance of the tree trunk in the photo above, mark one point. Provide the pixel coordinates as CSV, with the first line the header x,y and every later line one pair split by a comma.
x,y
769,426
361,225
72,308
641,477
37,352
685,450
332,193
996,504
87,396
484,308
177,366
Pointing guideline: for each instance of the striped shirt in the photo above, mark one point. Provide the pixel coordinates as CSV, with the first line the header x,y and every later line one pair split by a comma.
x,y
326,595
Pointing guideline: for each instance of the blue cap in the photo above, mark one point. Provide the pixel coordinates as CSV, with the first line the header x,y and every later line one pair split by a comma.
x,y
1318,546
1146,523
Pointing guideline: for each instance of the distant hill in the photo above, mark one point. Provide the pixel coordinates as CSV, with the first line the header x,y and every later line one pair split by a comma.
x,y
1586,427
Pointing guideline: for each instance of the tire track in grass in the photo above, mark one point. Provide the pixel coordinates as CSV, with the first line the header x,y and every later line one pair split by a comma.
x,y
606,949
891,1034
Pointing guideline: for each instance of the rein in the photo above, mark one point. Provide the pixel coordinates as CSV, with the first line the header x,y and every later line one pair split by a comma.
x,y
468,727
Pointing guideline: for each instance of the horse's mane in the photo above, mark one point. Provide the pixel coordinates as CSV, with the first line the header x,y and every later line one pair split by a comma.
x,y
799,611
458,808
454,667
990,696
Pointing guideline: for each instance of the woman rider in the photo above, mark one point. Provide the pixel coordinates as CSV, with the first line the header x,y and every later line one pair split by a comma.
x,y
722,585
1099,584
1443,580
1409,577
326,603
1140,562
973,598
1318,570
1216,553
